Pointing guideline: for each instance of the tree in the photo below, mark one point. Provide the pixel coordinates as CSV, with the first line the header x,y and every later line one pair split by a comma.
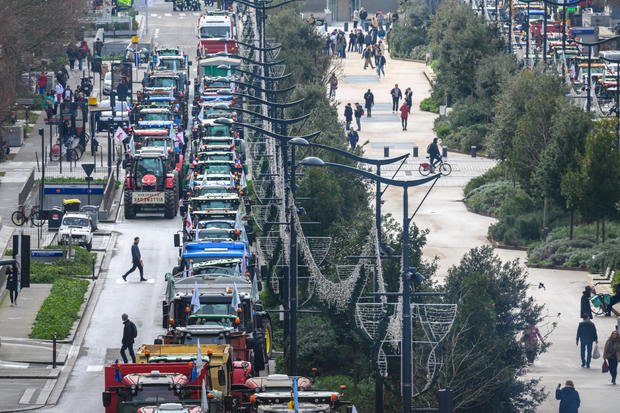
x,y
484,359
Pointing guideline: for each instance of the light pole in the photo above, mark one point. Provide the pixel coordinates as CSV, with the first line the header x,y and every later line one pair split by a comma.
x,y
406,344
267,78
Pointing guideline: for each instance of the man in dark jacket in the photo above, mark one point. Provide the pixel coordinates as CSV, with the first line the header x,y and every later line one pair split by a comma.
x,y
586,333
585,302
352,41
12,284
369,102
348,115
433,152
353,138
568,397
358,115
130,332
396,97
614,299
136,260
360,41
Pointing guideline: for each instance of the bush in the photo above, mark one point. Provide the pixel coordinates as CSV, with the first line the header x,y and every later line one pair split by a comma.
x,y
429,105
578,252
60,308
492,175
419,52
463,138
488,198
49,272
38,99
520,220
442,128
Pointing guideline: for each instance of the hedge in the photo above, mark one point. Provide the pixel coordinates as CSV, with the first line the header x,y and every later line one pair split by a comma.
x,y
48,272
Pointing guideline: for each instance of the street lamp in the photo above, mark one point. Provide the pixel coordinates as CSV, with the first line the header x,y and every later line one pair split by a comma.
x,y
407,277
267,78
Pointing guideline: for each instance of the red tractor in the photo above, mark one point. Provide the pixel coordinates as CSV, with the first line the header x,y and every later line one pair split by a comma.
x,y
151,184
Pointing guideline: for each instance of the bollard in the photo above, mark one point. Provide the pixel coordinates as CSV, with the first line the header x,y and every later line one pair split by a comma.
x,y
473,151
93,268
386,151
444,152
54,352
415,151
545,233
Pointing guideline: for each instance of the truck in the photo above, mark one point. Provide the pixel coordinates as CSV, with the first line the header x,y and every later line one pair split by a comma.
x,y
216,33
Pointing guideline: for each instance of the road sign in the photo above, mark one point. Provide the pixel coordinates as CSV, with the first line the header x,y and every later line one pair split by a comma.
x,y
134,39
88,168
136,59
92,101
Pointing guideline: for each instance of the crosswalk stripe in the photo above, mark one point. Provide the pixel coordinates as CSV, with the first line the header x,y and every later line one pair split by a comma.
x,y
28,393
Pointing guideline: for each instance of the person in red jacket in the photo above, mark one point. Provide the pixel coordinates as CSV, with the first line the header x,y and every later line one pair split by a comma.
x,y
404,114
42,83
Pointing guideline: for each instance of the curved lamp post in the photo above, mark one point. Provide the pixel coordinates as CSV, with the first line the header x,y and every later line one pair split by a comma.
x,y
406,345
247,72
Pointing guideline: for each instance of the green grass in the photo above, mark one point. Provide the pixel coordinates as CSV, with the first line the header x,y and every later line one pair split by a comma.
x,y
60,308
49,272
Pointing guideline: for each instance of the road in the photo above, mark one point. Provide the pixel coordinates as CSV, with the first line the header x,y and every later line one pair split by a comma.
x,y
141,301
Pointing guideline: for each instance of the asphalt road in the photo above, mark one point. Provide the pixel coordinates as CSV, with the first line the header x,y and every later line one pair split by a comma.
x,y
142,301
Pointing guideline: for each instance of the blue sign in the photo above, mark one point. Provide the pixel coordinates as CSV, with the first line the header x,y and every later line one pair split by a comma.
x,y
72,190
47,253
136,59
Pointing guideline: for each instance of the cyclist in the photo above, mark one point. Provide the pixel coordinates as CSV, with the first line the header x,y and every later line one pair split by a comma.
x,y
434,154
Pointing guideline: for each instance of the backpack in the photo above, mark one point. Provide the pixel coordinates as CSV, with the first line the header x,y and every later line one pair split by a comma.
x,y
134,330
428,148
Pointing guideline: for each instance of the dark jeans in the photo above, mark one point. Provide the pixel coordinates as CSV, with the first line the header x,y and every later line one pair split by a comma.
x,y
13,295
133,268
368,111
131,353
332,92
394,104
359,124
354,24
614,300
404,123
613,367
586,358
435,158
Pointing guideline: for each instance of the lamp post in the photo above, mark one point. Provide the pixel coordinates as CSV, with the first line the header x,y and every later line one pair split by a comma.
x,y
589,85
406,344
267,78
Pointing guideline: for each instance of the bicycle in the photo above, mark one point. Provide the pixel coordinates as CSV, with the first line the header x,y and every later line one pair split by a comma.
x,y
599,303
444,168
21,216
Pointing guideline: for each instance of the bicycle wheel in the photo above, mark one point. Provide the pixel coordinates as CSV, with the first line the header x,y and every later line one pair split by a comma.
x,y
35,218
596,310
74,155
445,169
18,218
424,170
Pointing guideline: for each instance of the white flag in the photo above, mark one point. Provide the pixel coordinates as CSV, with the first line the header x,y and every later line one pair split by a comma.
x,y
120,135
199,362
132,147
180,138
354,410
204,402
235,298
195,299
225,49
188,223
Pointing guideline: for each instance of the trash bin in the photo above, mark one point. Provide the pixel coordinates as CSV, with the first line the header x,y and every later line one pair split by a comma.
x,y
415,151
55,218
71,205
346,26
473,151
444,151
93,211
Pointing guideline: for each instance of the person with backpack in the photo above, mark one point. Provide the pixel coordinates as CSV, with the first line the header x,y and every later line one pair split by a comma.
x,y
366,55
130,332
359,112
353,138
348,115
433,151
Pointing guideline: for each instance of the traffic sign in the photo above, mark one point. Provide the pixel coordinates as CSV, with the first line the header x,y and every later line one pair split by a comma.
x,y
134,39
88,168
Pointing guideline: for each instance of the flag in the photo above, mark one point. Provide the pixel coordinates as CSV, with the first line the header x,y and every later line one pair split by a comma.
x,y
191,181
196,233
171,93
232,180
170,287
244,264
120,135
244,182
180,138
202,49
132,147
194,373
204,402
238,223
195,303
158,61
117,372
296,397
225,49
236,301
188,223
254,289
199,363
201,115
353,410
191,269
202,84
174,66
237,271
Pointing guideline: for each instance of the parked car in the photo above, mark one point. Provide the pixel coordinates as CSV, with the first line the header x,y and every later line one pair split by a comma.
x,y
76,228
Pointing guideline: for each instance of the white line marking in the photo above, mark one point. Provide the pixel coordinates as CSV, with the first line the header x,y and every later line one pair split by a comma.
x,y
95,368
182,14
196,14
168,14
154,14
28,393
45,392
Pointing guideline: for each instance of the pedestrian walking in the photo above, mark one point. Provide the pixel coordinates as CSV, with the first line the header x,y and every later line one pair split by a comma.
x,y
356,18
568,397
67,97
369,102
12,284
359,112
584,307
352,42
42,81
404,114
98,47
333,85
136,260
130,332
531,337
380,65
353,137
611,353
348,115
614,299
366,55
409,98
363,17
586,334
359,41
59,92
396,96
71,54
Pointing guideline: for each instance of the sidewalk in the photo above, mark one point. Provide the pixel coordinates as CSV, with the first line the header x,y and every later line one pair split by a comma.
x,y
454,230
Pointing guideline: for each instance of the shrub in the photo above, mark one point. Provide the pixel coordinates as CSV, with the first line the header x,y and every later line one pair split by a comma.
x,y
419,52
578,252
492,175
442,128
520,220
48,272
38,99
429,105
487,199
60,308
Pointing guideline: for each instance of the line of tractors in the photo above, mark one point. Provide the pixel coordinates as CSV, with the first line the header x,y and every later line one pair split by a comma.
x,y
217,338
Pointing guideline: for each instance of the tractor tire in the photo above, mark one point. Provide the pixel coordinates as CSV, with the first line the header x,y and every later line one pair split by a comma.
x,y
171,204
268,341
130,209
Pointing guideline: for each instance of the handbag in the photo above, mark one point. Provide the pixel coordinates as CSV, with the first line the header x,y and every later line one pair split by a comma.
x,y
605,367
596,354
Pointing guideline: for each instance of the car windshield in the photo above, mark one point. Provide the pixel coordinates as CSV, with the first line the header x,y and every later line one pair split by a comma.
x,y
163,82
217,225
155,142
153,166
216,204
227,157
171,64
155,116
207,32
213,190
215,309
218,131
153,393
206,234
75,222
216,169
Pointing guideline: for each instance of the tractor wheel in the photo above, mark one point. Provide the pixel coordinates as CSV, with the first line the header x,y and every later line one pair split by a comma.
x,y
130,209
171,203
268,341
